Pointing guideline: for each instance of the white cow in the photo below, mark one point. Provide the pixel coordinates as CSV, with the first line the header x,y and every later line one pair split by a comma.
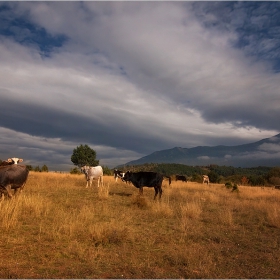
x,y
205,179
93,173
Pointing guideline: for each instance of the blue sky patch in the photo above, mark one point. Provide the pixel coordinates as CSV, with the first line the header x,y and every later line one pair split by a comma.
x,y
27,33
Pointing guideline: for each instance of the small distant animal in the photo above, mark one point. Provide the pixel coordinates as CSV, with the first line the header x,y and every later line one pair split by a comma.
x,y
205,179
93,173
181,178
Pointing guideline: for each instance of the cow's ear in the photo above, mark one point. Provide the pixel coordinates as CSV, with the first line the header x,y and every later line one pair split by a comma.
x,y
20,160
9,160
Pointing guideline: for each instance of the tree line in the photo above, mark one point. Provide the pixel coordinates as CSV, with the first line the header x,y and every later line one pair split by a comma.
x,y
254,176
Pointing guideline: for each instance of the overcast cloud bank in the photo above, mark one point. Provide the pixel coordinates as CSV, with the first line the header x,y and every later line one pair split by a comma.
x,y
131,78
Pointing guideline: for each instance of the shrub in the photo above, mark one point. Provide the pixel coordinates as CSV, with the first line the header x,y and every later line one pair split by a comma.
x,y
228,185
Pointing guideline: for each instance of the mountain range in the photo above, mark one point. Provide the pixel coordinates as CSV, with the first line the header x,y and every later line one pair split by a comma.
x,y
265,152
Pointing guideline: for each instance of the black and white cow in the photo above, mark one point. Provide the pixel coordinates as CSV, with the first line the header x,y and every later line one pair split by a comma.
x,y
181,178
93,173
12,177
118,174
146,179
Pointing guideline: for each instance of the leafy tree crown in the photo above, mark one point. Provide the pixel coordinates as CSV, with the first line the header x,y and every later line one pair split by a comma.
x,y
84,155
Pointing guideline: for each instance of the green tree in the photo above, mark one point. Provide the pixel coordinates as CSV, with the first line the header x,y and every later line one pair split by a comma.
x,y
37,169
29,167
44,168
213,177
107,170
75,170
84,155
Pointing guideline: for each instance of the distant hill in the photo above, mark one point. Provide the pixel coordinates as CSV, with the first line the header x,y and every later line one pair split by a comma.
x,y
265,152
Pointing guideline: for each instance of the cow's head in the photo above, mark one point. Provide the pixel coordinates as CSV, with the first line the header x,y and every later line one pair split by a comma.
x,y
84,169
14,160
126,177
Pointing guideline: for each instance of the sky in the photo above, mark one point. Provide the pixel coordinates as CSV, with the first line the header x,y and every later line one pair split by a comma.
x,y
131,78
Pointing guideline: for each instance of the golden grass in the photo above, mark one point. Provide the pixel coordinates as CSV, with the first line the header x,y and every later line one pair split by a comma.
x,y
56,228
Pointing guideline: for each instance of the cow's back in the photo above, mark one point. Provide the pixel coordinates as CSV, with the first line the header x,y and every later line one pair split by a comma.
x,y
13,174
95,171
148,179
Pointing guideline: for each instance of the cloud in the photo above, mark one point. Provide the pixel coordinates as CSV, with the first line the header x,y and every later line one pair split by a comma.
x,y
131,78
267,147
54,152
204,158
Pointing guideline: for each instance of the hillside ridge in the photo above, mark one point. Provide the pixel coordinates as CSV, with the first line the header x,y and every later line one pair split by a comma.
x,y
265,152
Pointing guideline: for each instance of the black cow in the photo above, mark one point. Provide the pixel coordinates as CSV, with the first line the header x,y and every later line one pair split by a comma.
x,y
118,174
12,177
146,179
181,178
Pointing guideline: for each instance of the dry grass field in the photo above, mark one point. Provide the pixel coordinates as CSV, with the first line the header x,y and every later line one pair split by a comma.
x,y
56,228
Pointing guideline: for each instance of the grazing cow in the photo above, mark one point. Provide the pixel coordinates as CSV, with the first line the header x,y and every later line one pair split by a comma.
x,y
93,173
146,179
13,177
205,179
118,174
11,161
181,178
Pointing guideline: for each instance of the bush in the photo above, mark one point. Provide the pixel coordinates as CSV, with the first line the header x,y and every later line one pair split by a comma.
x,y
235,188
228,185
75,170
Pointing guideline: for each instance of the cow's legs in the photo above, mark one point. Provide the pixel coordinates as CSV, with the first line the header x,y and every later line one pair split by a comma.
x,y
16,191
101,180
9,191
19,190
158,190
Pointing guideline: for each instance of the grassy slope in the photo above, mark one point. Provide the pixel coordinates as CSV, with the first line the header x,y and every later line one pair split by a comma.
x,y
56,228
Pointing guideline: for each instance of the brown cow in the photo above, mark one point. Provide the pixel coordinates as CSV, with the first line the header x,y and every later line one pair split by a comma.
x,y
12,177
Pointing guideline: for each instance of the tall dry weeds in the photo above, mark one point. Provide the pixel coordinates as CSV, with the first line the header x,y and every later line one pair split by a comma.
x,y
273,215
63,230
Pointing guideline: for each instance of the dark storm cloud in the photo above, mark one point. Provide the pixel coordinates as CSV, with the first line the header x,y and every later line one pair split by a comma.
x,y
46,122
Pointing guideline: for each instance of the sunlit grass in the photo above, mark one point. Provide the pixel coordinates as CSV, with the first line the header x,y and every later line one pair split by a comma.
x,y
63,230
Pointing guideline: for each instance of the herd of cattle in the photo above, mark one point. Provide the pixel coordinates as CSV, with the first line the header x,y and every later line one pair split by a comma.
x,y
13,176
138,179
